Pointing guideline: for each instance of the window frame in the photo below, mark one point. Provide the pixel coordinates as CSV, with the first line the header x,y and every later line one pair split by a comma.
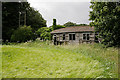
x,y
72,37
86,36
63,37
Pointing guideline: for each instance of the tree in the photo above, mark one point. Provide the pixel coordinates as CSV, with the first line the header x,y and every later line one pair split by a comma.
x,y
105,18
44,33
68,24
22,34
15,14
58,27
10,19
81,25
35,19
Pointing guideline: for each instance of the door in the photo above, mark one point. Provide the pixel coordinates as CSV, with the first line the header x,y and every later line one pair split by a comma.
x,y
55,40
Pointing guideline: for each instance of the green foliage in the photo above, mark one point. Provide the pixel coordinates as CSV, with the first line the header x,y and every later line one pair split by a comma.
x,y
68,24
57,27
81,25
10,20
44,33
22,34
105,18
35,19
14,12
39,60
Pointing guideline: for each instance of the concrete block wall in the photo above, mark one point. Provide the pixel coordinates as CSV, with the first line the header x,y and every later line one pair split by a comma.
x,y
78,37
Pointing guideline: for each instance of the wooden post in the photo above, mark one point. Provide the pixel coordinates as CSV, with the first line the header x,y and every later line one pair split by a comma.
x,y
19,18
25,18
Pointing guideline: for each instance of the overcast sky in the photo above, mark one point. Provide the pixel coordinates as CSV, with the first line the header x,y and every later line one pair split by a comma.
x,y
63,10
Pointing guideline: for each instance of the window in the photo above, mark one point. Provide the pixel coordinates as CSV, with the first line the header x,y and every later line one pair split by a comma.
x,y
71,36
86,36
63,36
54,35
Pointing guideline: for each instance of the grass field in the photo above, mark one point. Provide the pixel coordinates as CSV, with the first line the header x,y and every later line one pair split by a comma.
x,y
42,60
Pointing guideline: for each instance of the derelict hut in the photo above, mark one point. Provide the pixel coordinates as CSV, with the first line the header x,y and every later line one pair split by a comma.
x,y
74,35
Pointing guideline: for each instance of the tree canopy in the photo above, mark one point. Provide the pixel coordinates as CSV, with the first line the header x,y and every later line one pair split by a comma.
x,y
35,19
15,14
44,33
69,24
105,18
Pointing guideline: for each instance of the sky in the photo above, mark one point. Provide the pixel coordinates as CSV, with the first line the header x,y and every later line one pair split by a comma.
x,y
76,11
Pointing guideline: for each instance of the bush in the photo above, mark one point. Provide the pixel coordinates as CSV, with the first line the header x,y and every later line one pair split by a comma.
x,y
44,33
57,27
22,34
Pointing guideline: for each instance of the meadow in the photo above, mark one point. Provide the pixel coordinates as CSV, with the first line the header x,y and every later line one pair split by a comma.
x,y
43,60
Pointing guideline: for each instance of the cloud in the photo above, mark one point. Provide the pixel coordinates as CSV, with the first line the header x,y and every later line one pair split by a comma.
x,y
59,0
77,12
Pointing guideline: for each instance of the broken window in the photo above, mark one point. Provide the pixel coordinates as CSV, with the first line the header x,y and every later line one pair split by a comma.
x,y
86,36
71,36
63,36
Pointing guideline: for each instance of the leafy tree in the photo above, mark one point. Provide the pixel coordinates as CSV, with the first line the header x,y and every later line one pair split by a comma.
x,y
68,24
13,16
22,34
105,18
10,19
81,25
59,26
35,19
44,33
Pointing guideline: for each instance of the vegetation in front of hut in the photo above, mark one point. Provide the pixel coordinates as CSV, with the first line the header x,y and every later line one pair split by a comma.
x,y
42,59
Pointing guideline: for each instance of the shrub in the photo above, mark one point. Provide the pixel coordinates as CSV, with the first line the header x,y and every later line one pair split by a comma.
x,y
22,34
57,27
44,33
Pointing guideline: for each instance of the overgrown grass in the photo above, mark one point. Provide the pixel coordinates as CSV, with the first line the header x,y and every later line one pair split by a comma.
x,y
43,60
